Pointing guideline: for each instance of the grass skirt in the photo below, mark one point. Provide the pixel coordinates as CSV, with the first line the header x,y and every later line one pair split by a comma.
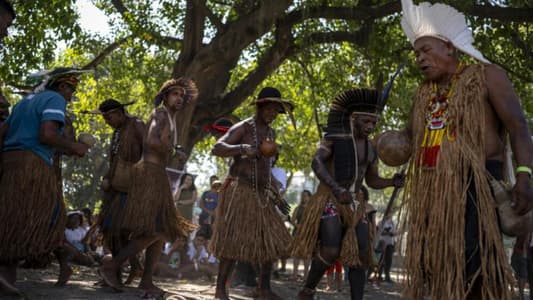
x,y
32,211
112,216
435,202
246,229
150,208
306,240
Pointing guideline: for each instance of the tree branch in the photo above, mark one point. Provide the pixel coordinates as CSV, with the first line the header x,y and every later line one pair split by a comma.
x,y
359,37
507,14
273,58
192,36
120,7
521,44
157,38
108,50
345,13
504,14
214,19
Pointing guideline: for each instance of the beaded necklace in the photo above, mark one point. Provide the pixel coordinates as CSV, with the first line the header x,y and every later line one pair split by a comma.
x,y
253,176
437,122
115,143
437,114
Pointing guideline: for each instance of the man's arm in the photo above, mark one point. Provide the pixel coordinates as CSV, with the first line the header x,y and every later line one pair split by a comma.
x,y
374,181
322,155
507,106
201,203
230,143
69,133
48,135
189,201
140,132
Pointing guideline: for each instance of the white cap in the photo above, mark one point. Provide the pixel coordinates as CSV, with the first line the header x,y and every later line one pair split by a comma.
x,y
439,21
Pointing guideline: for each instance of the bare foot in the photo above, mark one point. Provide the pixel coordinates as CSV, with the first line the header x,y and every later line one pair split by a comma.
x,y
306,294
151,289
133,274
221,295
64,275
252,292
6,288
268,295
100,282
109,274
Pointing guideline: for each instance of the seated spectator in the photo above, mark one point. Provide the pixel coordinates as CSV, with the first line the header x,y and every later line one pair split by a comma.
x,y
75,232
74,248
199,262
172,258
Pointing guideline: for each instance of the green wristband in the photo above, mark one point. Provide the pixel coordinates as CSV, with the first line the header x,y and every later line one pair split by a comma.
x,y
524,169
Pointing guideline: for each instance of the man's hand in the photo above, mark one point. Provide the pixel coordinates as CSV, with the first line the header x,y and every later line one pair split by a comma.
x,y
179,153
248,150
398,180
79,149
343,195
522,194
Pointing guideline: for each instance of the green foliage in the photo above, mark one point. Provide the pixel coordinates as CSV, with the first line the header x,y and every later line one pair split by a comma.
x,y
48,34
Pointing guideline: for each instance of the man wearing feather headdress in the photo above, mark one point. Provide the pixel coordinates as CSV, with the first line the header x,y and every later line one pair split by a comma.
x,y
31,205
344,158
460,119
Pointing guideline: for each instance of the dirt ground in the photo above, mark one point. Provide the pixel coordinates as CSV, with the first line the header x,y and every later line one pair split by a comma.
x,y
39,284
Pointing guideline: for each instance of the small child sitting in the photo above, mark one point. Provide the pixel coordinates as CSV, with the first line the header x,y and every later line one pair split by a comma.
x,y
75,232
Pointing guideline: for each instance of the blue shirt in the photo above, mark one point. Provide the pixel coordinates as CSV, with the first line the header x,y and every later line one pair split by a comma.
x,y
25,123
210,200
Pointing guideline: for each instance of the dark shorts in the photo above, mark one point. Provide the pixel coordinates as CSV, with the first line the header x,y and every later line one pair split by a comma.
x,y
519,264
473,259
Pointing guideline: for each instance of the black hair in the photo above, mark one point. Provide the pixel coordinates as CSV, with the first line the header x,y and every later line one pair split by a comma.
x,y
261,105
7,7
308,192
88,213
76,215
182,180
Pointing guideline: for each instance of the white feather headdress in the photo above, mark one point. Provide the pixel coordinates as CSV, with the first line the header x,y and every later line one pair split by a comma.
x,y
440,21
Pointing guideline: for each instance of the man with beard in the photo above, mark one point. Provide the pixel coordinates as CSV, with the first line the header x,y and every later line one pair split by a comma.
x,y
149,214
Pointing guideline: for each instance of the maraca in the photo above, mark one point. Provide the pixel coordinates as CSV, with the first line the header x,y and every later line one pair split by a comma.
x,y
268,147
86,138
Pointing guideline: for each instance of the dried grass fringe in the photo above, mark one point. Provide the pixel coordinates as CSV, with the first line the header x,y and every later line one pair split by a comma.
x,y
112,211
130,151
436,200
32,211
305,241
247,230
150,207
